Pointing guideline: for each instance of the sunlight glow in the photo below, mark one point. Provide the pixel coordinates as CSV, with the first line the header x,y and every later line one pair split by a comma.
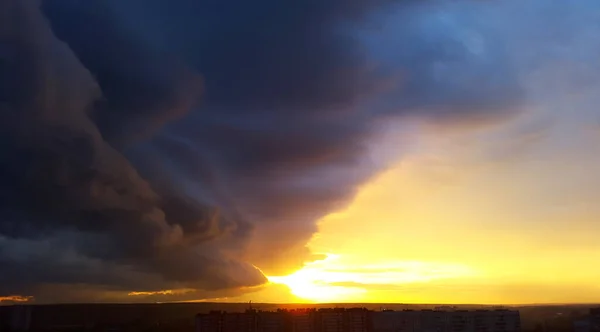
x,y
313,290
345,279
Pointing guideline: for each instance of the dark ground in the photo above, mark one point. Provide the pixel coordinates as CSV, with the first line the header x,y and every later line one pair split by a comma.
x,y
180,316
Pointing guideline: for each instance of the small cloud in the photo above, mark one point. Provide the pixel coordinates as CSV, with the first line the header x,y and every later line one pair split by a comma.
x,y
163,292
15,299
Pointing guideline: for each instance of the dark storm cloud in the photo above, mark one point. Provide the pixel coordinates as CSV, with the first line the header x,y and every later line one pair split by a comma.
x,y
291,100
102,187
75,210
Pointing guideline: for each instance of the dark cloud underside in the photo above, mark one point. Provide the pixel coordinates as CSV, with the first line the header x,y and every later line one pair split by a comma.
x,y
150,145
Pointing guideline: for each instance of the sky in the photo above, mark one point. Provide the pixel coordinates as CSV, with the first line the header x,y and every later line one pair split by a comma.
x,y
435,228
340,151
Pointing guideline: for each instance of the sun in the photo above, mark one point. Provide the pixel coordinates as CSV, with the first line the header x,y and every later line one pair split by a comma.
x,y
310,285
315,283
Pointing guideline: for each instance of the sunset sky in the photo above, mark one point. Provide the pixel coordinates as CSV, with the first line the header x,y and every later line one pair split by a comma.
x,y
341,151
465,218
501,212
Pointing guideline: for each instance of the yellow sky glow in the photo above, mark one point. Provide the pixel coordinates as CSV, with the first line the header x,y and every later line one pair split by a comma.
x,y
447,225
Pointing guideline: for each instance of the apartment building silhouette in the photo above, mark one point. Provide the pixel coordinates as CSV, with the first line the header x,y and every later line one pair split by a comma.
x,y
360,320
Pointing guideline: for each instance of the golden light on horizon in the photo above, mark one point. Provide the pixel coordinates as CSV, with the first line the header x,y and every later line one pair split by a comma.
x,y
315,284
311,290
347,279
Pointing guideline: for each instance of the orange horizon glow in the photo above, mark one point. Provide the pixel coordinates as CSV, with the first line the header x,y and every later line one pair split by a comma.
x,y
15,298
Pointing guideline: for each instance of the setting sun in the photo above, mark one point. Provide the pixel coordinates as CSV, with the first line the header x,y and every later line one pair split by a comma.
x,y
349,279
305,287
312,283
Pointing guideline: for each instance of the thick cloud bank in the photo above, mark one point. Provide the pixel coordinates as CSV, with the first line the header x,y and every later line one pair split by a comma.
x,y
152,145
